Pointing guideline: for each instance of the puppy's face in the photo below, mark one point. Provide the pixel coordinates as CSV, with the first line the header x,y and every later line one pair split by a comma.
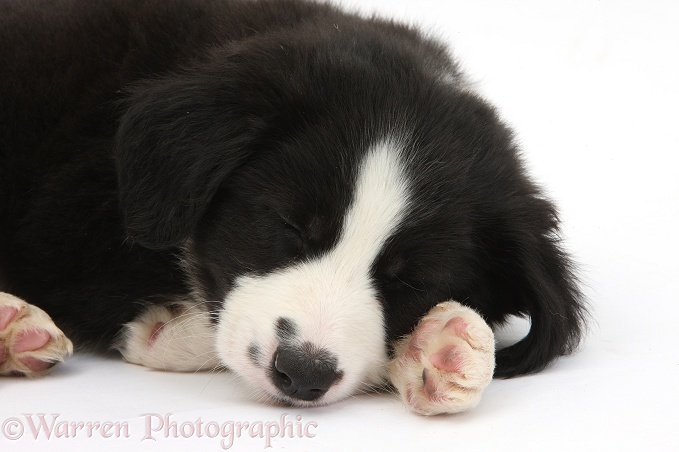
x,y
291,244
320,261
320,229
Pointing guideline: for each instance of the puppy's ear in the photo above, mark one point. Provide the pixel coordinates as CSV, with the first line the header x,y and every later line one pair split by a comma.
x,y
179,137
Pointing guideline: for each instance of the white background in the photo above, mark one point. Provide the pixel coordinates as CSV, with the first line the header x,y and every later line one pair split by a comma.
x,y
591,89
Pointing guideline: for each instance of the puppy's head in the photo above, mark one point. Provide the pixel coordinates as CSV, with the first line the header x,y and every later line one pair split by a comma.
x,y
319,195
302,316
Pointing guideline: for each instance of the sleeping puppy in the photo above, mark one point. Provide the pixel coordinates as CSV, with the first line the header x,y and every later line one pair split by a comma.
x,y
314,200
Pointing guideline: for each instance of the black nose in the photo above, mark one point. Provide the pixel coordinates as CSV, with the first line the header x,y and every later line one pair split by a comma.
x,y
305,372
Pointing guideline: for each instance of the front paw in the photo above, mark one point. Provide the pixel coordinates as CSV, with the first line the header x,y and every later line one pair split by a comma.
x,y
30,343
446,363
174,337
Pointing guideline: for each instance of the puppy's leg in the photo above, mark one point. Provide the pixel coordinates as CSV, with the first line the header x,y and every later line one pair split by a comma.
x,y
175,337
445,364
30,342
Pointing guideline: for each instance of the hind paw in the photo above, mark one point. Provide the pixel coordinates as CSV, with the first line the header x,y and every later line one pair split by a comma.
x,y
30,342
446,363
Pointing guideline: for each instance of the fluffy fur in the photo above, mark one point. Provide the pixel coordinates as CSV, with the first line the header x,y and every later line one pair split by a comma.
x,y
308,183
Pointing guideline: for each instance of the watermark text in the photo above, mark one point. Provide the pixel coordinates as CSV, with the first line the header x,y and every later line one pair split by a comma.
x,y
154,427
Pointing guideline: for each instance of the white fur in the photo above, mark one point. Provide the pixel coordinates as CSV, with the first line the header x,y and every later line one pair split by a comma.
x,y
330,299
185,343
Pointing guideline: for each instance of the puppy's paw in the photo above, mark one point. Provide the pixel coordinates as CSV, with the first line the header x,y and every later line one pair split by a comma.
x,y
446,363
30,342
174,337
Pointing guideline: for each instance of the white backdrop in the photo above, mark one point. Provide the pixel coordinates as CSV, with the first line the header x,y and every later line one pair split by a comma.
x,y
591,89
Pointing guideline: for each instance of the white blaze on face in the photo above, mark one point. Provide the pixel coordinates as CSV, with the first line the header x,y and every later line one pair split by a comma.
x,y
330,299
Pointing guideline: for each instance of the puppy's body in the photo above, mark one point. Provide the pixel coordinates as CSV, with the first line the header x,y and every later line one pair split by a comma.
x,y
313,180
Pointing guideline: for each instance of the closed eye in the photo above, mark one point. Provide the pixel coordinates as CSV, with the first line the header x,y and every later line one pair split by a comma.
x,y
291,226
405,283
293,236
394,271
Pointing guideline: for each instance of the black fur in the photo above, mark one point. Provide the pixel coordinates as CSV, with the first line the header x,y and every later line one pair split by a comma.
x,y
135,134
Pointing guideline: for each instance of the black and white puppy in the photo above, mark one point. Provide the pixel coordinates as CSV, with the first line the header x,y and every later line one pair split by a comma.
x,y
315,200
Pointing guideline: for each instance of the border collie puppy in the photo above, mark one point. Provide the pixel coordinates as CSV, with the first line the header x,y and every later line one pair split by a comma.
x,y
312,199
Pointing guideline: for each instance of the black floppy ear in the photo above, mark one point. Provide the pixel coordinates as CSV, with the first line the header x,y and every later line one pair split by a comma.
x,y
179,138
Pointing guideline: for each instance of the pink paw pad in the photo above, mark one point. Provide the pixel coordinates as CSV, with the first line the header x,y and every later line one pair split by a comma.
x,y
420,338
7,314
28,341
458,326
31,340
448,359
35,364
155,332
